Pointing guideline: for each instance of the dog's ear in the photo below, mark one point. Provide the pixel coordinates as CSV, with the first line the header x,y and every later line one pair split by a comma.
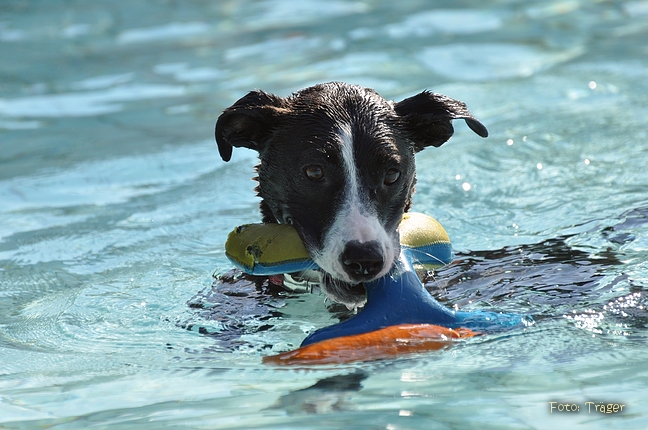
x,y
248,123
428,118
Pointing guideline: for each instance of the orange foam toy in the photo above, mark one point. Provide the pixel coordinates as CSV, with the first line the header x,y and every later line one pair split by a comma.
x,y
379,344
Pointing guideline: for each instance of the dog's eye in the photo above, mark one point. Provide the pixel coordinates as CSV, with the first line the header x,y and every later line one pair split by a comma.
x,y
391,176
314,173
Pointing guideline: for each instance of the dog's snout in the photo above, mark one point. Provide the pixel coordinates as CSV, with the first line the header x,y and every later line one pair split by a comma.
x,y
362,261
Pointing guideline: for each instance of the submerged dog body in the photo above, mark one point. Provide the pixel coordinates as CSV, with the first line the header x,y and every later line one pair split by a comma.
x,y
337,162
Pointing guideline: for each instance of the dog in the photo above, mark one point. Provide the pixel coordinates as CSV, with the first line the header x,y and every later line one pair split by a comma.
x,y
337,162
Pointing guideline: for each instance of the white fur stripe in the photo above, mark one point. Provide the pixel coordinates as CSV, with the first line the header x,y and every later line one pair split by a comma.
x,y
350,168
354,221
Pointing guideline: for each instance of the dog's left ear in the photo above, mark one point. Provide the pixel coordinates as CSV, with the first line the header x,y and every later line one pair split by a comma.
x,y
428,118
248,123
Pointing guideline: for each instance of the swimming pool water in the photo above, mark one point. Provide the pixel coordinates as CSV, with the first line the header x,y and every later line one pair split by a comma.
x,y
114,209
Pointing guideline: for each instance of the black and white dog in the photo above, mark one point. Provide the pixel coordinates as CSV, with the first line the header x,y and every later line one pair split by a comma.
x,y
337,162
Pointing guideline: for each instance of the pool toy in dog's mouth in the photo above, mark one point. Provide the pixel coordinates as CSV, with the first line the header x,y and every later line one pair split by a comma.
x,y
271,249
400,316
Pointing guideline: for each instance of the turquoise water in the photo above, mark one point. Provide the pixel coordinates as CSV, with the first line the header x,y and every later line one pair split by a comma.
x,y
114,208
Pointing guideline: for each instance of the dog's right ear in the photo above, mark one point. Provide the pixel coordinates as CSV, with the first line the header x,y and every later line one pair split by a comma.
x,y
248,123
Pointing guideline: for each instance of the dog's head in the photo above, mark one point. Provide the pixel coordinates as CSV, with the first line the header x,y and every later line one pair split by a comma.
x,y
337,162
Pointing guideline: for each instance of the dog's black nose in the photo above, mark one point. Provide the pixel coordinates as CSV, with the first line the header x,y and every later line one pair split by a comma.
x,y
362,261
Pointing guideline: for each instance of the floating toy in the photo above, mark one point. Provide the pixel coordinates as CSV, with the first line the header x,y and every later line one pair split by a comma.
x,y
400,316
271,249
382,343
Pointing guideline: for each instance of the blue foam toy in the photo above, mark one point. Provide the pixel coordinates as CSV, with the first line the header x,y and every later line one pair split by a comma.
x,y
400,298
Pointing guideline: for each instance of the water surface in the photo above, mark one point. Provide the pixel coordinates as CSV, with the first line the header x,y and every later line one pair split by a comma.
x,y
114,208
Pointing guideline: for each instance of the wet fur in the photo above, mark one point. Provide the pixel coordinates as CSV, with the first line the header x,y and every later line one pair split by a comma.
x,y
348,218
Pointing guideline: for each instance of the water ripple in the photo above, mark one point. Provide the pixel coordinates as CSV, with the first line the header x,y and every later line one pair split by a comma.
x,y
491,61
82,104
